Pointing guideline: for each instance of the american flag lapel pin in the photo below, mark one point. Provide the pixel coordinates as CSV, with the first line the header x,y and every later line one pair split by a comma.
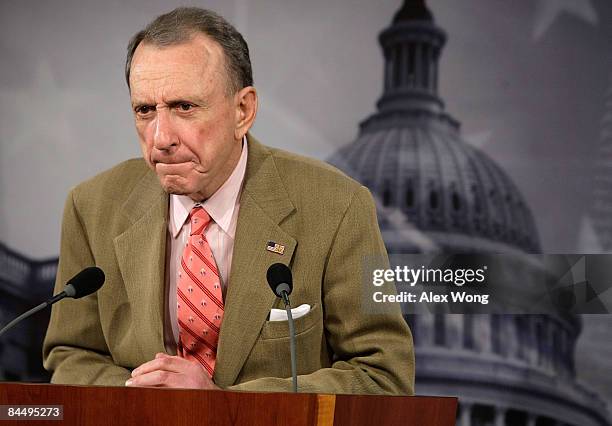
x,y
275,247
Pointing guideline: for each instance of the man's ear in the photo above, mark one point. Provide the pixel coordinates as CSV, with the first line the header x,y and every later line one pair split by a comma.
x,y
246,110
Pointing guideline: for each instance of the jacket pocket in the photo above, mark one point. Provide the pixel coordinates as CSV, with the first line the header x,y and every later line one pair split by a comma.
x,y
280,329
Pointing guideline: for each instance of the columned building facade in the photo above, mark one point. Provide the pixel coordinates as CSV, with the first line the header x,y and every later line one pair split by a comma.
x,y
23,284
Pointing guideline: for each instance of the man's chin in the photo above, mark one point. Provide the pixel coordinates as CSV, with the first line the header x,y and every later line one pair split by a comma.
x,y
179,187
171,190
174,185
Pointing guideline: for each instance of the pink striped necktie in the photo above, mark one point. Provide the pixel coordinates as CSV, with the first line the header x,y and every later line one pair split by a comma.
x,y
199,297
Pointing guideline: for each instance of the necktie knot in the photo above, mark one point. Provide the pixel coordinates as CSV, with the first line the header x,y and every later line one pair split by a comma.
x,y
199,220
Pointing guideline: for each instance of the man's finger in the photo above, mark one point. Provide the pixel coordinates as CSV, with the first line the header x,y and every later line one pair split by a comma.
x,y
170,363
157,378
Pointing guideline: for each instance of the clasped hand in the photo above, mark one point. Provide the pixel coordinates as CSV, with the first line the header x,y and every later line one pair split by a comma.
x,y
171,372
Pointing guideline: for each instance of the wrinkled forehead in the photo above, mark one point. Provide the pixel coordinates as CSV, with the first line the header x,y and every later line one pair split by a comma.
x,y
197,64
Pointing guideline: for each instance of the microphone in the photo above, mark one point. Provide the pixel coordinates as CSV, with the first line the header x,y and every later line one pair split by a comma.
x,y
86,282
281,282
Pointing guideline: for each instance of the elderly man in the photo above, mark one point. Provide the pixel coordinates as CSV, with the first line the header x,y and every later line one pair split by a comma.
x,y
186,234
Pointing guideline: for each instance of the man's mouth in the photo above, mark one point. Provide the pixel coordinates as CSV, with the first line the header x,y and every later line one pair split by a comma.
x,y
171,168
170,161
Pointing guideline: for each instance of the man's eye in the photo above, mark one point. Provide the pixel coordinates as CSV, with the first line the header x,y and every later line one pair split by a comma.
x,y
185,106
145,109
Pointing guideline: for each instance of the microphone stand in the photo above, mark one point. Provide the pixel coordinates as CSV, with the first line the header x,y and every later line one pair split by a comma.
x,y
86,282
32,311
291,341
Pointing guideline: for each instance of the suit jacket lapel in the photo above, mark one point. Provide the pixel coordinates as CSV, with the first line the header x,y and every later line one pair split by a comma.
x,y
264,203
140,252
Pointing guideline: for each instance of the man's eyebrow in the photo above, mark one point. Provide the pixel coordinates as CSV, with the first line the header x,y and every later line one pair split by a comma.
x,y
171,102
198,101
140,102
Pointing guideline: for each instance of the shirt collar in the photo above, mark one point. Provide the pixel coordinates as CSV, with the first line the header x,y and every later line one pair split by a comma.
x,y
220,206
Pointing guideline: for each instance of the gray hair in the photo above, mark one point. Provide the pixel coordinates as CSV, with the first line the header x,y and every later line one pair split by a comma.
x,y
181,24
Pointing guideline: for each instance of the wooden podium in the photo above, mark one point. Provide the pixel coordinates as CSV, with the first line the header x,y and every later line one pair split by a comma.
x,y
96,405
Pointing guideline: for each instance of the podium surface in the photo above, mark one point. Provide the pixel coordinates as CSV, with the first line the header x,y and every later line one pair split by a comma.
x,y
98,405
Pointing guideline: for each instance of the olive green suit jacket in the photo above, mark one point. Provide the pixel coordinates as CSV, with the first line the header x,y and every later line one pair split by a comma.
x,y
118,221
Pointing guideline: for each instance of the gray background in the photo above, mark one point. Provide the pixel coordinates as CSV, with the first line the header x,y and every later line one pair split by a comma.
x,y
527,79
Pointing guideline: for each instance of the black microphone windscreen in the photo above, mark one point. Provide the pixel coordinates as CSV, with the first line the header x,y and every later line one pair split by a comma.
x,y
279,274
88,281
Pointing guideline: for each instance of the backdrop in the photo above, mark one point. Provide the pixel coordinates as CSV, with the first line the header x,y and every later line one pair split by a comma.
x,y
529,81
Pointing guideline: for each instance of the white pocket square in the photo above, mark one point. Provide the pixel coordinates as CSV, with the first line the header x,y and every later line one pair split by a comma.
x,y
281,314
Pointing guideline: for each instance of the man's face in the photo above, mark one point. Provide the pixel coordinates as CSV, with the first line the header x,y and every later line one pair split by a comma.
x,y
186,122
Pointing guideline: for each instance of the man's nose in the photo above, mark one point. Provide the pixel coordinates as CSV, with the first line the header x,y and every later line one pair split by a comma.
x,y
164,137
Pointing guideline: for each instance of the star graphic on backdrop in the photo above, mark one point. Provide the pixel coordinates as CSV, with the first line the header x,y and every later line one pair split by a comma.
x,y
583,285
547,12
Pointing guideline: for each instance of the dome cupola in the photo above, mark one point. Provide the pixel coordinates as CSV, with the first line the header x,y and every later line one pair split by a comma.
x,y
411,155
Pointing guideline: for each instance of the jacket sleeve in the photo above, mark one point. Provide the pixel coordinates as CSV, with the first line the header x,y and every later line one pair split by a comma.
x,y
74,349
372,346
